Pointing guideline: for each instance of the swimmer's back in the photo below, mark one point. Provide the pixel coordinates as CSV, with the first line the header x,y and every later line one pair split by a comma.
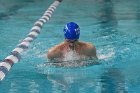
x,y
82,48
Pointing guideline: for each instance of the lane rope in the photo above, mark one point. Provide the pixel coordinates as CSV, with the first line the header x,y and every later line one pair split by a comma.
x,y
15,55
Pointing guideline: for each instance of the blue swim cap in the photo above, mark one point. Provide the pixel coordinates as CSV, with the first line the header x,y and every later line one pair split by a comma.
x,y
71,31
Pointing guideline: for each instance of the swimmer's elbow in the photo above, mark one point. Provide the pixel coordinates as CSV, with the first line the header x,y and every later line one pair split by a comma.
x,y
96,57
49,55
93,53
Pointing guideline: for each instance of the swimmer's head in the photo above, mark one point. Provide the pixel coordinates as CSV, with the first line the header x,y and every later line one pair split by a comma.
x,y
71,31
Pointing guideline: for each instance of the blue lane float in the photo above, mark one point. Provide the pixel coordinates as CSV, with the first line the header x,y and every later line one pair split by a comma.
x,y
15,54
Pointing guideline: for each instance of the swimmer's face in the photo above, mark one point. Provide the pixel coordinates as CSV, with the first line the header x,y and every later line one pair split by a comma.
x,y
71,41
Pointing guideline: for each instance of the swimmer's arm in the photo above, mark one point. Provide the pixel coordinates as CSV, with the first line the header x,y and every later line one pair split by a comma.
x,y
92,55
50,55
92,52
53,55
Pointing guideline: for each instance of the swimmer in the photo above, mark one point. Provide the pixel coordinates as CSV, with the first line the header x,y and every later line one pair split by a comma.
x,y
72,43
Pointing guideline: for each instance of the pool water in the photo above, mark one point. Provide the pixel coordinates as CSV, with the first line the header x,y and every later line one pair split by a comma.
x,y
111,25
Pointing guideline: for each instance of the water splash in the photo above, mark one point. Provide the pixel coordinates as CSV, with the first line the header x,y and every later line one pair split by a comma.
x,y
71,55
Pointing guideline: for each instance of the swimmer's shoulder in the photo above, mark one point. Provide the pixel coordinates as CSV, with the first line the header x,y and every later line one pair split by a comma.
x,y
55,51
89,49
56,48
86,45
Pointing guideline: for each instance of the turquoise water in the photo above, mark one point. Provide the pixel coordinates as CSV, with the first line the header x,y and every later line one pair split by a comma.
x,y
111,25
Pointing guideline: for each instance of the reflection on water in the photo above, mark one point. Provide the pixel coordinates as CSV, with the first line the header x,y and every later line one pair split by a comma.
x,y
73,82
107,19
85,80
106,13
110,81
11,7
113,81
